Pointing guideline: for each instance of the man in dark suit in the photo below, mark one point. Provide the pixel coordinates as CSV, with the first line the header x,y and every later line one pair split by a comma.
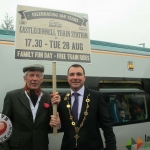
x,y
29,110
81,128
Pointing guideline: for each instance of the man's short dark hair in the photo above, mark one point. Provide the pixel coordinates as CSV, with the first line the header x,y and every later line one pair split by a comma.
x,y
76,66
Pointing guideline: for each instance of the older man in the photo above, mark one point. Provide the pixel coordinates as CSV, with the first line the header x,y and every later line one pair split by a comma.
x,y
29,110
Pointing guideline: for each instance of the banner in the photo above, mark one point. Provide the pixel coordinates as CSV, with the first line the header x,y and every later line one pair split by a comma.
x,y
53,35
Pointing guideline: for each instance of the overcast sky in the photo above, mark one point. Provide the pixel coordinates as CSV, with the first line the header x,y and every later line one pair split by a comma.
x,y
118,21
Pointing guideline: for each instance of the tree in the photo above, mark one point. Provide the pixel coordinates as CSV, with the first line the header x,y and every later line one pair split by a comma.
x,y
7,23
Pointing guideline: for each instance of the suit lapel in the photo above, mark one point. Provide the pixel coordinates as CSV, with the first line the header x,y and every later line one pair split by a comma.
x,y
70,98
23,98
41,103
83,108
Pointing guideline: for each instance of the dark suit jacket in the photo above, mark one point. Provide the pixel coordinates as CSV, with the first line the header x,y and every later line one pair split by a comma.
x,y
27,135
89,134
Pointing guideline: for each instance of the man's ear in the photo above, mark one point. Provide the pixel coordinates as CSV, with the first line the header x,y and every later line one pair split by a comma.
x,y
24,79
42,80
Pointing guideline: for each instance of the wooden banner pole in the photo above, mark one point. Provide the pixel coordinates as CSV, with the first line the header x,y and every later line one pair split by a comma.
x,y
54,90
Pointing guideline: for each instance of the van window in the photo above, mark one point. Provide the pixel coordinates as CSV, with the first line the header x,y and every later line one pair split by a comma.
x,y
126,107
62,86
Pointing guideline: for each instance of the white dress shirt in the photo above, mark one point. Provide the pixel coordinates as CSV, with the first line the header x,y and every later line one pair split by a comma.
x,y
34,109
80,99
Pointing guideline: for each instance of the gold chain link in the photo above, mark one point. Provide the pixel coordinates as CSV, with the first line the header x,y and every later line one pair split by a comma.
x,y
71,117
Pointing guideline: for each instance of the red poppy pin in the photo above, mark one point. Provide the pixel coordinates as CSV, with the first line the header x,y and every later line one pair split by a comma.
x,y
46,105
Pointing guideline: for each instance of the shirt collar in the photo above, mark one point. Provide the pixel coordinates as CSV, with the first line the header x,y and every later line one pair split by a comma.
x,y
80,91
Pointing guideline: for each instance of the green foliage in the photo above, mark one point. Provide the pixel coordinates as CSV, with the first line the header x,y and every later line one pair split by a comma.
x,y
7,23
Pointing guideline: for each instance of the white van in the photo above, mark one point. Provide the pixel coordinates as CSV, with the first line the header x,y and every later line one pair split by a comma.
x,y
120,72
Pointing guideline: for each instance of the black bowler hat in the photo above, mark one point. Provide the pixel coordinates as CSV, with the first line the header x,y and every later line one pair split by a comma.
x,y
35,67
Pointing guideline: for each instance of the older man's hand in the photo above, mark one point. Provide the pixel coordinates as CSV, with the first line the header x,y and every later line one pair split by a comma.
x,y
55,121
55,98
